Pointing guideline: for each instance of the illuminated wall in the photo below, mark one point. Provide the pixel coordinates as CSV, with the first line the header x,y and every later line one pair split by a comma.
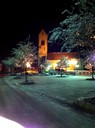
x,y
72,65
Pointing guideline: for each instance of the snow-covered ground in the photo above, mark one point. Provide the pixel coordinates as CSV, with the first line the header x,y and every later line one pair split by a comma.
x,y
67,87
56,93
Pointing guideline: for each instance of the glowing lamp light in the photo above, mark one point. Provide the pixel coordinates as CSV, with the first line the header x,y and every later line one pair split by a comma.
x,y
6,123
28,65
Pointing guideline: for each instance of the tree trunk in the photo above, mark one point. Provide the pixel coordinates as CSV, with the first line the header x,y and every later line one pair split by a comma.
x,y
26,75
26,80
92,72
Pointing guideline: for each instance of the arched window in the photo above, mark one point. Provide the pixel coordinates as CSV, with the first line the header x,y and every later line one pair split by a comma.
x,y
42,42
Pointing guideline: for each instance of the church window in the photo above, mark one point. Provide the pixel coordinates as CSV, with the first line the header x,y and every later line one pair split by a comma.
x,y
42,42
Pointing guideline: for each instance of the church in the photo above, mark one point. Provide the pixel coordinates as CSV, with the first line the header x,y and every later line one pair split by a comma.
x,y
54,57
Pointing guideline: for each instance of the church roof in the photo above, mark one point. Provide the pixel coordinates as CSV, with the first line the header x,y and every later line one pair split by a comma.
x,y
42,32
60,55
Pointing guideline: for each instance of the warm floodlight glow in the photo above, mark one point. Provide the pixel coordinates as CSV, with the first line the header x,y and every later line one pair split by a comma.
x,y
6,123
77,66
73,61
94,36
55,65
48,67
28,65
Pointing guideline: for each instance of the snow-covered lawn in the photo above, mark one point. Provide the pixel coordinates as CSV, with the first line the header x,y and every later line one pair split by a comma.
x,y
68,88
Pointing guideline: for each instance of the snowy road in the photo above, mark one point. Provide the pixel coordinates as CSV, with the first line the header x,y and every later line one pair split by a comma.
x,y
46,104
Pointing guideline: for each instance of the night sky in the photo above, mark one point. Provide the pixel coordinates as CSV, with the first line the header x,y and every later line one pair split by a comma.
x,y
18,20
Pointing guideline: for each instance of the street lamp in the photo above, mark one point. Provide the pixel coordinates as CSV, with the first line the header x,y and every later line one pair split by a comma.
x,y
28,65
26,73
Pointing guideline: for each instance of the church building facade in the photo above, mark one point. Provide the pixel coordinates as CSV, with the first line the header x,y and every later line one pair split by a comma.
x,y
53,57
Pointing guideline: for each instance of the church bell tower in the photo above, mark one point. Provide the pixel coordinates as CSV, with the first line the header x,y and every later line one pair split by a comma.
x,y
42,46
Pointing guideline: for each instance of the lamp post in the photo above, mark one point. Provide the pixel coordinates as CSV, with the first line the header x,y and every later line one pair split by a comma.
x,y
93,64
26,73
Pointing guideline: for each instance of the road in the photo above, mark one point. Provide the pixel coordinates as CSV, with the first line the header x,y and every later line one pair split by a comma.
x,y
41,110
